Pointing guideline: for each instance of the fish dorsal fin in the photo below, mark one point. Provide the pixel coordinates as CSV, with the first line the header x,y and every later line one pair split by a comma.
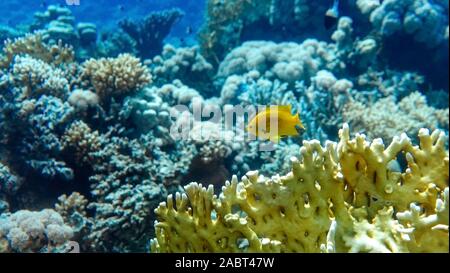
x,y
280,108
285,108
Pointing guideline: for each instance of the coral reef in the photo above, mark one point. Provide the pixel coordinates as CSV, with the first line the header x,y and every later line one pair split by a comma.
x,y
112,77
288,62
151,31
229,23
386,118
33,45
337,198
184,64
426,20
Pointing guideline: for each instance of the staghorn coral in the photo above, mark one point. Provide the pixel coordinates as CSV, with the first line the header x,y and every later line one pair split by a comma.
x,y
385,118
112,77
33,231
337,198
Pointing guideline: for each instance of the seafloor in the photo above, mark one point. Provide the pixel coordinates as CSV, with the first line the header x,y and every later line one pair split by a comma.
x,y
92,99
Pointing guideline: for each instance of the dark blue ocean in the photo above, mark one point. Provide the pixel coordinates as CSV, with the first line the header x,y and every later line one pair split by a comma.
x,y
105,13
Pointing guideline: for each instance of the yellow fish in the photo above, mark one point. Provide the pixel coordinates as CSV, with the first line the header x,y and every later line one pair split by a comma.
x,y
274,123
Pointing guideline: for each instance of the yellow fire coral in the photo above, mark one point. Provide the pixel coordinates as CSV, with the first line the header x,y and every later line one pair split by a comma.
x,y
343,197
115,76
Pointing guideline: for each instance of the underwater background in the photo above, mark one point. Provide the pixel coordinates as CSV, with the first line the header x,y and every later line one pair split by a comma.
x,y
88,94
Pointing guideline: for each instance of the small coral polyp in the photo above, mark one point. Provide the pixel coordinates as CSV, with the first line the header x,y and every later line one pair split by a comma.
x,y
339,198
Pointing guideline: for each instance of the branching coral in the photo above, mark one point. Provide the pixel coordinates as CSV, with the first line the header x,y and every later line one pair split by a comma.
x,y
150,32
72,209
332,194
129,177
386,118
33,130
33,45
80,140
115,76
36,78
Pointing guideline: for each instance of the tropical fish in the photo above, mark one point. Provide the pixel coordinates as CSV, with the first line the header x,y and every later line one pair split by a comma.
x,y
279,122
332,15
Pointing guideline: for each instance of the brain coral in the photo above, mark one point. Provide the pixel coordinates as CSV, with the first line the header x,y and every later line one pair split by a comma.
x,y
338,198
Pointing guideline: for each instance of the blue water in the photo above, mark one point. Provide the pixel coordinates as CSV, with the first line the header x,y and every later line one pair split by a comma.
x,y
105,13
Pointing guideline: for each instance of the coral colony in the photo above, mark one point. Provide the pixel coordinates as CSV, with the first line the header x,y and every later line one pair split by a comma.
x,y
123,142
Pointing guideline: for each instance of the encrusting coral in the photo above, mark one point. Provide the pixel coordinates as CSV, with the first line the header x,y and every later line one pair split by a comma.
x,y
338,198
